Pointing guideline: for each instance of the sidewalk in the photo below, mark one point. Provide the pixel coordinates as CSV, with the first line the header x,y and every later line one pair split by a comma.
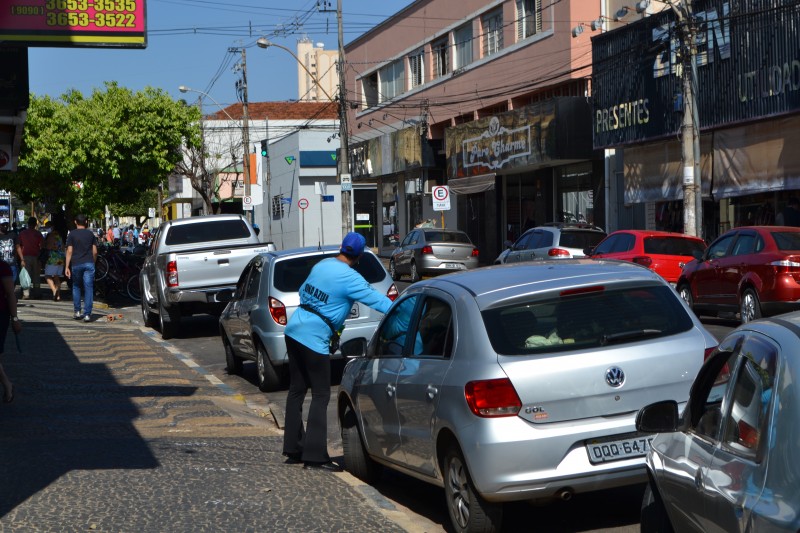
x,y
110,431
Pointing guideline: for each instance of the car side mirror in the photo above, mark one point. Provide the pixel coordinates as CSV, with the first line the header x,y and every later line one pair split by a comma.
x,y
659,417
225,295
699,254
508,244
588,251
354,348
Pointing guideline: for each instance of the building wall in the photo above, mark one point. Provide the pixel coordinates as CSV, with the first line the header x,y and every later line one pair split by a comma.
x,y
322,64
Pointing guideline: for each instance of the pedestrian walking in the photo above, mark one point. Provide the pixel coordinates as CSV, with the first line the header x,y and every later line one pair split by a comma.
x,y
54,266
8,248
8,313
312,335
79,265
29,246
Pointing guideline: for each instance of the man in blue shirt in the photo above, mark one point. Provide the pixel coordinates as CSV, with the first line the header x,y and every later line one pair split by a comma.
x,y
325,301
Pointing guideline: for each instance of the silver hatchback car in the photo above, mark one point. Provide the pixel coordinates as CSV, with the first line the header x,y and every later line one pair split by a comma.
x,y
431,251
729,464
518,382
253,322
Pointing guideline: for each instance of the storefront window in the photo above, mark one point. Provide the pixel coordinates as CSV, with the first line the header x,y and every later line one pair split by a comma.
x,y
520,200
389,213
574,193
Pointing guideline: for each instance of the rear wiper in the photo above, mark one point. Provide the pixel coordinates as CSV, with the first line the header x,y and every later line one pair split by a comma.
x,y
627,335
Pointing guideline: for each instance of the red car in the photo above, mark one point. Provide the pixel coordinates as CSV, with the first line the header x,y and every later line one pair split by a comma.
x,y
663,252
753,270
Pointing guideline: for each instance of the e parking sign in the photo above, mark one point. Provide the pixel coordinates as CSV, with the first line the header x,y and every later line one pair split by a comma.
x,y
441,198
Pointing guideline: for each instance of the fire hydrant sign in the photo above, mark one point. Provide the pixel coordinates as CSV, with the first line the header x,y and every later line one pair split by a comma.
x,y
441,198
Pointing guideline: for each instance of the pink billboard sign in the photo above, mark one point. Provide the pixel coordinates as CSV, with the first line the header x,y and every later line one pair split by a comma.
x,y
87,23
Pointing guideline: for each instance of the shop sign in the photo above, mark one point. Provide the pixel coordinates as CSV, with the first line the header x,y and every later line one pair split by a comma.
x,y
496,146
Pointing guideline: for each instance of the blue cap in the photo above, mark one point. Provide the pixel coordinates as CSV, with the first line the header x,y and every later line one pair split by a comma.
x,y
353,244
255,226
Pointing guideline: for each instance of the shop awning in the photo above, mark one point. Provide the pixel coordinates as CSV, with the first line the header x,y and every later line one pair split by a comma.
x,y
472,184
756,158
654,172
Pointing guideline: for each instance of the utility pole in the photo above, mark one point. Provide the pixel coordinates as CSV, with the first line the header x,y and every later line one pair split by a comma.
x,y
245,129
344,162
692,192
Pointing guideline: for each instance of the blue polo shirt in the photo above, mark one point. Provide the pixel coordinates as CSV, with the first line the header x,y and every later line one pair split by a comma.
x,y
331,288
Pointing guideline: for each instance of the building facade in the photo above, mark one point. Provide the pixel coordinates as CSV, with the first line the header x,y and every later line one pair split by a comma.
x,y
320,77
747,85
496,105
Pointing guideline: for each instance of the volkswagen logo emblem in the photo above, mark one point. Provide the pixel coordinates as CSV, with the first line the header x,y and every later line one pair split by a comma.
x,y
615,377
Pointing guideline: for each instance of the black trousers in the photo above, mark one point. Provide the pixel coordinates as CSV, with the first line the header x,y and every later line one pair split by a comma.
x,y
307,369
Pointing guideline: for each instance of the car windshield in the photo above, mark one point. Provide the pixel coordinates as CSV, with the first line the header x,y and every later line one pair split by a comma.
x,y
591,319
580,239
446,236
214,230
787,240
672,246
291,273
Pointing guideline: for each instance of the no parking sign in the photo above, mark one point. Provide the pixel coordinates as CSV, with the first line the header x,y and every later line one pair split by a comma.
x,y
441,198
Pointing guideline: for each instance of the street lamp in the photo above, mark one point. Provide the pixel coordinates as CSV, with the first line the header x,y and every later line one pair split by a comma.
x,y
245,141
265,43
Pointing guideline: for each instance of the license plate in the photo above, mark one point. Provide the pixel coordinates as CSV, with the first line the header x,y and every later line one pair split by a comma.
x,y
453,265
617,449
353,311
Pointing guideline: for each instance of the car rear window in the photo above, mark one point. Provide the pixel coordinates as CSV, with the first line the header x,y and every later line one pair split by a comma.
x,y
446,236
212,230
291,273
787,240
590,319
580,239
672,246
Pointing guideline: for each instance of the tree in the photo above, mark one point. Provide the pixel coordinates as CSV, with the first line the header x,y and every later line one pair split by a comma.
x,y
138,207
106,149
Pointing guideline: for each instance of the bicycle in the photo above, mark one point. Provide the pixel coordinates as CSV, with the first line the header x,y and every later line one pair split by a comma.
x,y
117,271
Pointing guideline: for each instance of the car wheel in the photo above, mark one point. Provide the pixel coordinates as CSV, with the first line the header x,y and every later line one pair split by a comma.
x,y
269,379
167,323
233,362
749,307
356,459
468,511
654,517
148,317
414,274
685,292
393,271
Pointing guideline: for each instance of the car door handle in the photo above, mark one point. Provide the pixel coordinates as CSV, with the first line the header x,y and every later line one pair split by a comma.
x,y
390,389
698,480
432,392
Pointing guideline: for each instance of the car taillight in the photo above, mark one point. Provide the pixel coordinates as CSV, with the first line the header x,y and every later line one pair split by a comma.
x,y
474,252
172,274
277,310
643,260
392,293
558,252
492,398
426,250
708,352
786,266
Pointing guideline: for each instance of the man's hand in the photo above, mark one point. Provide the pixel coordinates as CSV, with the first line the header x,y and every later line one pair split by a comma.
x,y
67,272
16,326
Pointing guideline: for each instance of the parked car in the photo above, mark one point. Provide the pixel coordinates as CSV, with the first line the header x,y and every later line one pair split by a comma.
x,y
663,252
752,270
266,295
554,240
431,251
729,464
518,382
190,261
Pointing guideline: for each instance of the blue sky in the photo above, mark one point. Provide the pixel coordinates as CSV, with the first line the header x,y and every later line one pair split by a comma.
x,y
188,43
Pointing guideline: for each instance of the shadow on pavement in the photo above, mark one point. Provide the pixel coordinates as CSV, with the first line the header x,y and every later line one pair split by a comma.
x,y
67,414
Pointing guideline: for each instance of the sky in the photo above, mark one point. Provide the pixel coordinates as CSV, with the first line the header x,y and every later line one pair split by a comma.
x,y
188,42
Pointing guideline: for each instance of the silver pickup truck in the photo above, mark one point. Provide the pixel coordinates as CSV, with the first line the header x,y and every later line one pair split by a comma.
x,y
189,262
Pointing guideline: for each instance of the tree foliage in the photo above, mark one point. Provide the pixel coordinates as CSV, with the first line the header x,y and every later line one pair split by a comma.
x,y
109,148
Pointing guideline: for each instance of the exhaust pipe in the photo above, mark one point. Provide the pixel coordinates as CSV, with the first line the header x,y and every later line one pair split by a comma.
x,y
564,494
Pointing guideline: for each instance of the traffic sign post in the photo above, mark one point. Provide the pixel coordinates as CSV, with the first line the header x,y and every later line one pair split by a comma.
x,y
247,203
441,199
302,203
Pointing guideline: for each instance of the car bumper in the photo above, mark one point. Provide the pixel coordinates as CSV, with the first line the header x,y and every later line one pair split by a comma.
x,y
197,295
529,465
441,266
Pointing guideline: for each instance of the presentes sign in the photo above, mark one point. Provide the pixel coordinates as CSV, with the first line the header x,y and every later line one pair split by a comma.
x,y
90,23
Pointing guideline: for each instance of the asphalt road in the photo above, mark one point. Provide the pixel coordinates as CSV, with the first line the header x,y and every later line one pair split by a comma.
x,y
608,511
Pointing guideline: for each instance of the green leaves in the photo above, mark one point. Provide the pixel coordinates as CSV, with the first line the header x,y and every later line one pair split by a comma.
x,y
117,144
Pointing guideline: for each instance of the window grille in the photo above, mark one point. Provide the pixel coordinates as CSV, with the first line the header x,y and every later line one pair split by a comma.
x,y
529,18
463,46
416,69
492,32
440,52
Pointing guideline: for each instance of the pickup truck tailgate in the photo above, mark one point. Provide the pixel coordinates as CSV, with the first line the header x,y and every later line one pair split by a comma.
x,y
213,268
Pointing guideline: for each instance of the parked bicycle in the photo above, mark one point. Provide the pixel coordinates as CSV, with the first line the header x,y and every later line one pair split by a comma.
x,y
118,271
